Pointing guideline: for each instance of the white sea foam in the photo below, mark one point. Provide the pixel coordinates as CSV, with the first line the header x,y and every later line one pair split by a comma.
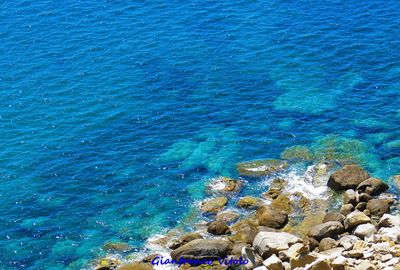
x,y
311,182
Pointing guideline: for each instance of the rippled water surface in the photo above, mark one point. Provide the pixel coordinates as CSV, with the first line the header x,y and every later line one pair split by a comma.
x,y
114,113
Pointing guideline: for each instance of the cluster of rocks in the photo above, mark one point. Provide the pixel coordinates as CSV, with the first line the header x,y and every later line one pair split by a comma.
x,y
360,235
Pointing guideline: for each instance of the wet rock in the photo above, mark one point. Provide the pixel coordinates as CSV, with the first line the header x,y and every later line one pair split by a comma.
x,y
283,203
227,216
355,218
275,189
203,249
327,229
224,185
372,186
117,246
269,217
268,243
218,228
389,221
348,177
350,197
273,263
297,153
378,207
346,209
365,230
248,202
258,168
185,239
214,205
333,216
327,243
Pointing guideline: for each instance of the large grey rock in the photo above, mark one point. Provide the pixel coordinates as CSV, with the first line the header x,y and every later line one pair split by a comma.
x,y
348,177
356,218
202,249
268,243
365,230
327,229
372,186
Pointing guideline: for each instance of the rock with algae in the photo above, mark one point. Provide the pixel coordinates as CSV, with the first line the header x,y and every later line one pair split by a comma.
x,y
257,168
297,153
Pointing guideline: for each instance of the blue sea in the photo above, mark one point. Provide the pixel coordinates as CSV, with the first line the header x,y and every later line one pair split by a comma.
x,y
114,114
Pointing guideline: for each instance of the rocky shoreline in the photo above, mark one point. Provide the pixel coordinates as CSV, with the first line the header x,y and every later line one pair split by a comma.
x,y
356,227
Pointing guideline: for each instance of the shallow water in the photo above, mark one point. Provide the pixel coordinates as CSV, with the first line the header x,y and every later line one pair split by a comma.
x,y
113,114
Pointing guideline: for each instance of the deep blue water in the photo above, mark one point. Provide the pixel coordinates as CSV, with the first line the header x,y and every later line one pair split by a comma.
x,y
114,113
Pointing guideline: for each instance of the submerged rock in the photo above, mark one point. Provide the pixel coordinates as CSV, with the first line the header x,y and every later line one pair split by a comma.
x,y
214,205
202,249
117,246
224,185
348,177
258,168
270,217
297,153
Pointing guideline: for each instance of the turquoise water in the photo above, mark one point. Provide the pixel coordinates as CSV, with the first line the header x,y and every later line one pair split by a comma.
x,y
114,113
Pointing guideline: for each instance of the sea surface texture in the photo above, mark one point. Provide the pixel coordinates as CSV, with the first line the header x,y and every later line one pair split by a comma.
x,y
113,114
